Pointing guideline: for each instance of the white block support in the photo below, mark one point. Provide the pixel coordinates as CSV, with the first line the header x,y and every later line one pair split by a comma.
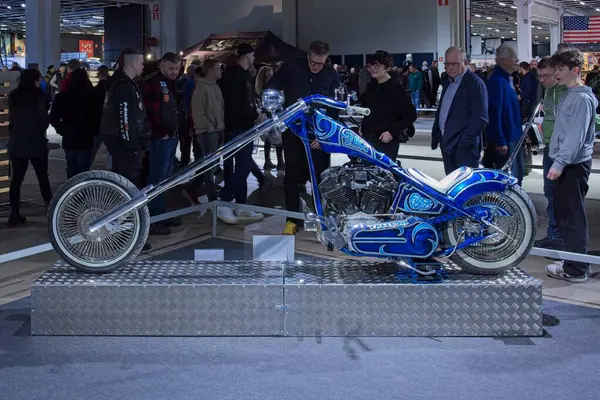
x,y
273,247
209,255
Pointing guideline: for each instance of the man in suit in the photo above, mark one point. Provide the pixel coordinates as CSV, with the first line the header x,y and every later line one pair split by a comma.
x,y
462,114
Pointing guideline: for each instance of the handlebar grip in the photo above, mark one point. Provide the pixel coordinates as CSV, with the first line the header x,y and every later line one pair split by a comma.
x,y
360,110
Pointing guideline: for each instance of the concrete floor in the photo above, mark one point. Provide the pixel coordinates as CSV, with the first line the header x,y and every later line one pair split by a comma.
x,y
16,276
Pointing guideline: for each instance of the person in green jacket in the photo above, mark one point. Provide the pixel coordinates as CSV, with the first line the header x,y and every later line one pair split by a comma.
x,y
415,84
553,92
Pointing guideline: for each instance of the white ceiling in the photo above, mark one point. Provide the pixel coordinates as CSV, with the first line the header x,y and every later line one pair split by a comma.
x,y
83,16
498,18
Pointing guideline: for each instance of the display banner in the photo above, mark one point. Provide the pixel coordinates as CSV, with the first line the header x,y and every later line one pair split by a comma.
x,y
87,46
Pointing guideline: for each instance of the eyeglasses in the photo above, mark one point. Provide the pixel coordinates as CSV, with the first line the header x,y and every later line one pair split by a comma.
x,y
453,64
314,63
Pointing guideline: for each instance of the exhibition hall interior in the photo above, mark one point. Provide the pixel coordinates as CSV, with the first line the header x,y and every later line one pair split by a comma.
x,y
299,199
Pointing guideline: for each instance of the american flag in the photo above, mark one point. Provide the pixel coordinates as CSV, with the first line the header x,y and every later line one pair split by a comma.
x,y
581,29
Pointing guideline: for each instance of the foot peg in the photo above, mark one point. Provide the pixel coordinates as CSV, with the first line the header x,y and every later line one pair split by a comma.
x,y
311,220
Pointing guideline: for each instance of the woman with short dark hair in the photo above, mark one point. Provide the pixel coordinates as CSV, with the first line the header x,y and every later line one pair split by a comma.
x,y
392,113
27,141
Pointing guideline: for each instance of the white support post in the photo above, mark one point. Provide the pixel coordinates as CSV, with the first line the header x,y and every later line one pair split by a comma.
x,y
555,38
524,36
42,33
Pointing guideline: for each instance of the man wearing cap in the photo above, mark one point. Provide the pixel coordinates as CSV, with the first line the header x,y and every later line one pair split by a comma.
x,y
240,115
124,127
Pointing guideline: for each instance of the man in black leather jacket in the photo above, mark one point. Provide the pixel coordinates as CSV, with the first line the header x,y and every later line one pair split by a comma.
x,y
300,78
124,125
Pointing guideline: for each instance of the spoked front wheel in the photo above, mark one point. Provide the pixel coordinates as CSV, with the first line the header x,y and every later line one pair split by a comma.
x,y
516,220
82,200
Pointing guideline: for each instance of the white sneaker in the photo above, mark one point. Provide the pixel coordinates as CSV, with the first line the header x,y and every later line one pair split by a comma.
x,y
203,199
556,271
248,215
226,215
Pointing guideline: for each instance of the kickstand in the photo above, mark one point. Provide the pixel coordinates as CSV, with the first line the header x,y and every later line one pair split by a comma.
x,y
420,273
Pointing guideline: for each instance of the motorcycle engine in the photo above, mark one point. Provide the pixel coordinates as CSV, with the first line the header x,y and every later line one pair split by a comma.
x,y
354,188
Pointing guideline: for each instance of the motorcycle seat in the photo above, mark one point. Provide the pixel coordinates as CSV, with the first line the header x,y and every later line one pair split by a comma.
x,y
445,184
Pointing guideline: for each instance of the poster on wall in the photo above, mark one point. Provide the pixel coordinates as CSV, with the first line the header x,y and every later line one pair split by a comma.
x,y
87,46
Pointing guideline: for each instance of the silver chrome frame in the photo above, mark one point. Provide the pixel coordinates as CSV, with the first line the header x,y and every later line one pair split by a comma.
x,y
198,167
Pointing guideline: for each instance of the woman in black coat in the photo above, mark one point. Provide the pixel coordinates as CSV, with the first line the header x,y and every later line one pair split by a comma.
x,y
27,141
392,113
73,116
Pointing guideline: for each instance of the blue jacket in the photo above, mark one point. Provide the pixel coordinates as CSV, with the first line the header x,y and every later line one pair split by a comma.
x,y
503,106
467,116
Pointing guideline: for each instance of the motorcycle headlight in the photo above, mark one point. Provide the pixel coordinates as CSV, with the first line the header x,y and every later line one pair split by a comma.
x,y
272,100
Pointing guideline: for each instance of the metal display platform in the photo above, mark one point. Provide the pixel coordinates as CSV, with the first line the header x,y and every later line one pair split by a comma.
x,y
259,298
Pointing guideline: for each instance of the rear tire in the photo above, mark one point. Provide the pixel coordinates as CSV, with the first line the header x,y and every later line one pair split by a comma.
x,y
82,200
492,256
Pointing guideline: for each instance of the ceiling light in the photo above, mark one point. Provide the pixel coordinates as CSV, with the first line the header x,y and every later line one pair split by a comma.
x,y
488,17
513,7
9,7
497,30
539,27
598,9
501,37
489,29
502,4
512,31
546,37
23,5
582,3
97,17
478,16
536,37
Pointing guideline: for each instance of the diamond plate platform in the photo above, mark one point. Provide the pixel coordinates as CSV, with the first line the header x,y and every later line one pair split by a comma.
x,y
251,298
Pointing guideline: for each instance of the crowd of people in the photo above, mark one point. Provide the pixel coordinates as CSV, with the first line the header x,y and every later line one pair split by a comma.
x,y
475,114
145,111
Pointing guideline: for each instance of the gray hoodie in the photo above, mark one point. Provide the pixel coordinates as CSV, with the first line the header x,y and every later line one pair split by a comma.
x,y
574,130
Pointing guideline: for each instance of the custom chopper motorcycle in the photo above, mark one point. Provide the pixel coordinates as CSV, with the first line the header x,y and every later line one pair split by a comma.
x,y
478,218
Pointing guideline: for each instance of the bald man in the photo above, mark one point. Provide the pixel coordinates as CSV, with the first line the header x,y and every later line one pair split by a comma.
x,y
504,130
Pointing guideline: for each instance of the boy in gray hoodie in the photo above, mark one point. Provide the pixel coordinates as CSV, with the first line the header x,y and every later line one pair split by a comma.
x,y
571,148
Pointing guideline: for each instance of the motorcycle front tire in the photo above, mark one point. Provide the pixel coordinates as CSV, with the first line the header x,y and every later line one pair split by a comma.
x,y
91,184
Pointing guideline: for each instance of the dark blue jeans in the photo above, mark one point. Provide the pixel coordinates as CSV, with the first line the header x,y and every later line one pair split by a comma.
x,y
162,156
236,185
78,161
552,232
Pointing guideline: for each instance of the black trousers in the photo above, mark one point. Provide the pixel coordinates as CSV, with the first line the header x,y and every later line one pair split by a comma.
x,y
19,167
296,169
125,162
461,158
569,211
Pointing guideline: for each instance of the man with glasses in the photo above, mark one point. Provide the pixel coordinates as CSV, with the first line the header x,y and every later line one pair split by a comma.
x,y
300,78
553,93
462,114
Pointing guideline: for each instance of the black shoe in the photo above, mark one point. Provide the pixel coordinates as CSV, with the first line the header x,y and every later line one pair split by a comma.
x,y
172,222
550,244
15,220
159,229
268,165
147,247
281,166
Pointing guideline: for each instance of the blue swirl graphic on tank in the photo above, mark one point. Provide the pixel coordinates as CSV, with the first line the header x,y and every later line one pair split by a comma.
x,y
330,132
413,201
405,238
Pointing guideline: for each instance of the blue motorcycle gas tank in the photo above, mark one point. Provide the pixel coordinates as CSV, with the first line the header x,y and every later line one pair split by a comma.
x,y
411,237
